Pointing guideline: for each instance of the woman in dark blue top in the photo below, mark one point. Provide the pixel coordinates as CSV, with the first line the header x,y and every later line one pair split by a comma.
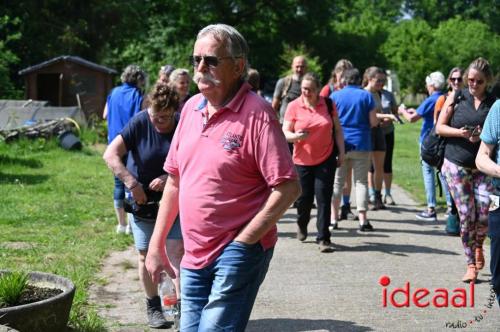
x,y
461,122
146,138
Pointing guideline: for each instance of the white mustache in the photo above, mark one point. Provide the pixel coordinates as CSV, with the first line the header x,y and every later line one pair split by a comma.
x,y
206,77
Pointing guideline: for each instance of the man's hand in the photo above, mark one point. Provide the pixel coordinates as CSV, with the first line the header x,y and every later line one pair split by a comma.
x,y
157,262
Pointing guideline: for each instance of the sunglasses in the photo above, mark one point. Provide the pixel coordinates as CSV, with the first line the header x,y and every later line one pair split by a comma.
x,y
456,79
477,82
211,61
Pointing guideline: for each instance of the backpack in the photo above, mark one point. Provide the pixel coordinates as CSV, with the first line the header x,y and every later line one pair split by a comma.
x,y
287,84
433,145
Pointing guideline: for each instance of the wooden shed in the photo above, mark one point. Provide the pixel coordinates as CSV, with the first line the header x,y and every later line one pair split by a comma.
x,y
70,81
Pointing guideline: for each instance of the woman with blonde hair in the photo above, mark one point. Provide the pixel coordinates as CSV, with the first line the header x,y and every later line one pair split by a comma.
x,y
179,81
461,122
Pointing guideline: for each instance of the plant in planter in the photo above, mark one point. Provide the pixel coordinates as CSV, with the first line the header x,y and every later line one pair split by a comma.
x,y
35,301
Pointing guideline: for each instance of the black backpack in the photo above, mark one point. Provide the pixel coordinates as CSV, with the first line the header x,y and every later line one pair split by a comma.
x,y
433,145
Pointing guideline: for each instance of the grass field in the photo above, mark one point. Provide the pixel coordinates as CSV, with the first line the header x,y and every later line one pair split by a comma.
x,y
57,215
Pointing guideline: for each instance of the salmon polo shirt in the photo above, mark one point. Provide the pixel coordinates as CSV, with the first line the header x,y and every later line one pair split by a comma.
x,y
227,167
318,146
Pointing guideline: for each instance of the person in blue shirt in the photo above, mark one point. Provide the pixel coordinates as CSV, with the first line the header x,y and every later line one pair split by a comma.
x,y
434,83
356,109
486,163
123,102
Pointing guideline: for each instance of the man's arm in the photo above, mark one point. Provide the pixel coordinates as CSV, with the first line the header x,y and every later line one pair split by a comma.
x,y
282,196
484,162
156,259
276,103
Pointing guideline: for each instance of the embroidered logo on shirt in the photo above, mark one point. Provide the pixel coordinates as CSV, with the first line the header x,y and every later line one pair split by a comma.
x,y
231,141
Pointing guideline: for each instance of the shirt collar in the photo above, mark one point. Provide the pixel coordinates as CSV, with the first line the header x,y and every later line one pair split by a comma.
x,y
234,105
321,100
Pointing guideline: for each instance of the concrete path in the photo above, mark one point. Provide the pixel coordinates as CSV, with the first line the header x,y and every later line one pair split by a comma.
x,y
306,290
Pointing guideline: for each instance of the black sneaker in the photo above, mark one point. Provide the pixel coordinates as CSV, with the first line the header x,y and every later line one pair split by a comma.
x,y
366,227
156,319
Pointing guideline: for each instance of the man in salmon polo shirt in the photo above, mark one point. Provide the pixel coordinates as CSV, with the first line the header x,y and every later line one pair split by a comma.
x,y
231,177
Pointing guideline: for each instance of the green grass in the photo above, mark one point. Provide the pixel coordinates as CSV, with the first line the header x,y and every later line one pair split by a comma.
x,y
57,216
406,162
12,285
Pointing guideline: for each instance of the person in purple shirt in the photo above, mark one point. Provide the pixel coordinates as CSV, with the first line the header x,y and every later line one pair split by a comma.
x,y
122,104
434,83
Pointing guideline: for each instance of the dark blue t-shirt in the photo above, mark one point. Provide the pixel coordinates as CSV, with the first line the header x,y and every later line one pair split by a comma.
x,y
426,111
147,148
353,107
123,103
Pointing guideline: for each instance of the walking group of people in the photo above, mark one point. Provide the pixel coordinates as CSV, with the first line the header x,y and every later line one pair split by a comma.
x,y
206,178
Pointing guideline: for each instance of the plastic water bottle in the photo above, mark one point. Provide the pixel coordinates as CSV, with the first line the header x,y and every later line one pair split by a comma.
x,y
168,296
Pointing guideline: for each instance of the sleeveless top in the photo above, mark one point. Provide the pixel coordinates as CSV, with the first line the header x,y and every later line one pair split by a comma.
x,y
460,150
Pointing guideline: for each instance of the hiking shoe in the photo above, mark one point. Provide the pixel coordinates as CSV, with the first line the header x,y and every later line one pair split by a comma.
x,y
325,246
427,215
366,227
388,200
120,229
156,319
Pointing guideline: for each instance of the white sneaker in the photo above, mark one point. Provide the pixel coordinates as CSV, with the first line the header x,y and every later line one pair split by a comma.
x,y
128,230
120,229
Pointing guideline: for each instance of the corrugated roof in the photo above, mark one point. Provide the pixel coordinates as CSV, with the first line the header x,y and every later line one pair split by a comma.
x,y
70,58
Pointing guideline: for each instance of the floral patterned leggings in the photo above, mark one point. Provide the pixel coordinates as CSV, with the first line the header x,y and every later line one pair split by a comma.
x,y
470,190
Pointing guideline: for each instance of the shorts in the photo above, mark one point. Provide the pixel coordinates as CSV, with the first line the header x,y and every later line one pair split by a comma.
x,y
378,139
142,230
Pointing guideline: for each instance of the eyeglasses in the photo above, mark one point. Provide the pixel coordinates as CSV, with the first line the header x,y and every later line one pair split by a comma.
x,y
161,117
382,80
477,82
210,60
456,79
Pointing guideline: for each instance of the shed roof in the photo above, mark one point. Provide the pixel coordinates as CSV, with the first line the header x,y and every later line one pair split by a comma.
x,y
71,58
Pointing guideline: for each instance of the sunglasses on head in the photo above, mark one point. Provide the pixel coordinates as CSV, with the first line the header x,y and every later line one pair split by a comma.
x,y
472,81
209,60
456,79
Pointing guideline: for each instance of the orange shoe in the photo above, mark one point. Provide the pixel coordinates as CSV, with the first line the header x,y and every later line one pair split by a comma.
x,y
479,259
471,274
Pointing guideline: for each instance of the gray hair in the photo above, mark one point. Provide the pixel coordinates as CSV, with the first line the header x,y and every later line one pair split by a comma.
x,y
235,43
435,79
134,75
350,76
177,73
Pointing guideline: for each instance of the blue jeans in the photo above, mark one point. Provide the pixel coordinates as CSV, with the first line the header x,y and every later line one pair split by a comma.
x,y
429,174
220,296
494,234
446,190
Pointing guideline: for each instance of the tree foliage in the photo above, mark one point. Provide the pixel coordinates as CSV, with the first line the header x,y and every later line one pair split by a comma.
x,y
408,36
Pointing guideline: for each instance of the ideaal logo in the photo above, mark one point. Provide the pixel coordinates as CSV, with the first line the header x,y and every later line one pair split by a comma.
x,y
423,297
437,298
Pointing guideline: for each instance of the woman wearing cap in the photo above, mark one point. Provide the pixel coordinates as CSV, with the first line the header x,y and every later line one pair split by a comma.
x,y
434,82
461,122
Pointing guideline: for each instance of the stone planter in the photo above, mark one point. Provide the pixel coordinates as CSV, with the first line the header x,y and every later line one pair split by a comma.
x,y
43,316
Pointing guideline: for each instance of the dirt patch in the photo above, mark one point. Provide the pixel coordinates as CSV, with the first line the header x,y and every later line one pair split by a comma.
x,y
18,245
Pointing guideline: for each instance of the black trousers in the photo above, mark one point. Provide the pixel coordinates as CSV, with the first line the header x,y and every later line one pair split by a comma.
x,y
316,181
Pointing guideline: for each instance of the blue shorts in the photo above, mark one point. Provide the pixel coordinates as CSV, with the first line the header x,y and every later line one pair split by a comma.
x,y
142,229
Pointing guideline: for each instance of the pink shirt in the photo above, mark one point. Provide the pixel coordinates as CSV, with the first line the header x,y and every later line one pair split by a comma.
x,y
227,168
318,146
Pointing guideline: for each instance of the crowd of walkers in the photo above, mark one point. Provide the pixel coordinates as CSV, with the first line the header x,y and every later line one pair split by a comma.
x,y
219,203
